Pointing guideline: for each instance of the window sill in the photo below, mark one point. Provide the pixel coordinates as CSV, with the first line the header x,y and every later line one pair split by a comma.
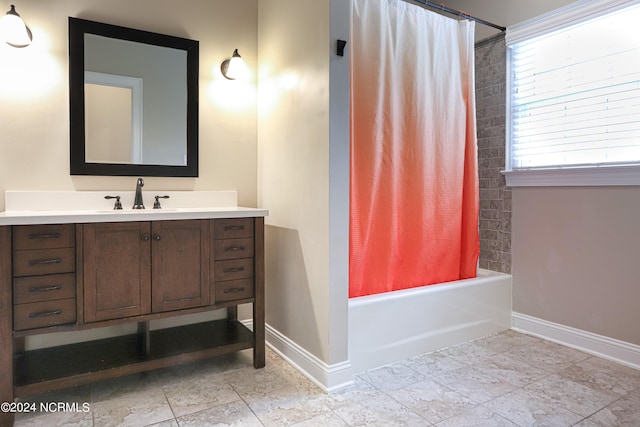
x,y
574,177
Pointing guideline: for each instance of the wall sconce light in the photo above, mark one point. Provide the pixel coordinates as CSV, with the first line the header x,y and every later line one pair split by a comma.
x,y
13,29
234,67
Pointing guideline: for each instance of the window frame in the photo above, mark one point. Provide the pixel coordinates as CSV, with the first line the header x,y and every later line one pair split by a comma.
x,y
590,175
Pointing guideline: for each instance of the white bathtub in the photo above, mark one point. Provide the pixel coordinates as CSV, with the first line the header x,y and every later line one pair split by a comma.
x,y
389,327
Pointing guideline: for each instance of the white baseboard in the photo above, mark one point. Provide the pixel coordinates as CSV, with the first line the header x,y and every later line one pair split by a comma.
x,y
608,348
329,378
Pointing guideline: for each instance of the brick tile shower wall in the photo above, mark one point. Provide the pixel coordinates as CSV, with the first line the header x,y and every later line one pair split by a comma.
x,y
495,197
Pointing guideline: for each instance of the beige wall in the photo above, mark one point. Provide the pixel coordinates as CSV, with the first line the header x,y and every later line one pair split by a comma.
x,y
293,163
34,129
575,251
306,259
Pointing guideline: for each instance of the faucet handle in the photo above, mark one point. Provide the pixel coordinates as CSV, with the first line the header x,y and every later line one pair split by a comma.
x,y
117,205
156,204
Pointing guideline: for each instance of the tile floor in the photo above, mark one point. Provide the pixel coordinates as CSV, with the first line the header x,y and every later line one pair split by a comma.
x,y
507,379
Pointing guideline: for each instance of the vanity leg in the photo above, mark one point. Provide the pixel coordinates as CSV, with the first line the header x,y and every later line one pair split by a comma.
x,y
258,304
6,325
232,313
258,336
144,342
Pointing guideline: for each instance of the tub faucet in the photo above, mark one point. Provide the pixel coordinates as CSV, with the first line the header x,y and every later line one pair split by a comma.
x,y
138,203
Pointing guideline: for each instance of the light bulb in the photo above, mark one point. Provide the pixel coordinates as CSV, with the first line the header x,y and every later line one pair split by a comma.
x,y
234,68
13,29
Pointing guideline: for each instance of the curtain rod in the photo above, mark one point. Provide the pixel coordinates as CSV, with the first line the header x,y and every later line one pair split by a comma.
x,y
443,8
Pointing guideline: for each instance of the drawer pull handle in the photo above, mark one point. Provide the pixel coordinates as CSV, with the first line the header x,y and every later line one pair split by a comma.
x,y
45,261
44,236
234,248
233,227
45,288
233,270
45,314
233,290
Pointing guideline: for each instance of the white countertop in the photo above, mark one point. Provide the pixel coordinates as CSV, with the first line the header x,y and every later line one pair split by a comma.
x,y
25,208
86,216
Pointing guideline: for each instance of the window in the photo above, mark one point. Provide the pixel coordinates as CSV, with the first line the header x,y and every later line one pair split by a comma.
x,y
573,96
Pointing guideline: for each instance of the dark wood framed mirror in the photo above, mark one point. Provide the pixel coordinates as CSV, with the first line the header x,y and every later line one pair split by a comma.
x,y
133,98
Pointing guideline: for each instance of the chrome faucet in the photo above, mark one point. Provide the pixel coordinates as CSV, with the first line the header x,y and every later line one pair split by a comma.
x,y
138,203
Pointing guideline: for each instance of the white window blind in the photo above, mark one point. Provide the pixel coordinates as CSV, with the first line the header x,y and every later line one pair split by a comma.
x,y
574,92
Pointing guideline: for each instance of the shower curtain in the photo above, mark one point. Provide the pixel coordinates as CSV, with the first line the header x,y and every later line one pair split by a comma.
x,y
414,173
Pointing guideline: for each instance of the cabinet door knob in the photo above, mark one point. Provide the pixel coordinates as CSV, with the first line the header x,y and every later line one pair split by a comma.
x,y
156,237
145,237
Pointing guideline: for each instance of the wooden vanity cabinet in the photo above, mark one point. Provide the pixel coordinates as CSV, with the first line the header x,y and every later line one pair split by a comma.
x,y
136,268
44,291
68,277
233,266
116,269
180,264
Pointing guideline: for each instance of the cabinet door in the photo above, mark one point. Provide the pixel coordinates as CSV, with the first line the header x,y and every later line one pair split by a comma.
x,y
117,270
180,259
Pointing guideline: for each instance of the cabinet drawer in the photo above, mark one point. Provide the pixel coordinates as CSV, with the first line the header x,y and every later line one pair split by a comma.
x,y
44,314
233,248
234,290
43,236
232,228
43,288
233,269
44,261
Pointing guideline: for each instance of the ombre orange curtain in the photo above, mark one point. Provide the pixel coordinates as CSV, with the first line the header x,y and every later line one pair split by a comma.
x,y
414,173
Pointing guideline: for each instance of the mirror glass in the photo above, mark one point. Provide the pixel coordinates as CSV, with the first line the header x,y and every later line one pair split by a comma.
x,y
133,101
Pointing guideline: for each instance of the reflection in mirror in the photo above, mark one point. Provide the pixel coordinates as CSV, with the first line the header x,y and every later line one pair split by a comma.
x,y
162,72
113,118
133,101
